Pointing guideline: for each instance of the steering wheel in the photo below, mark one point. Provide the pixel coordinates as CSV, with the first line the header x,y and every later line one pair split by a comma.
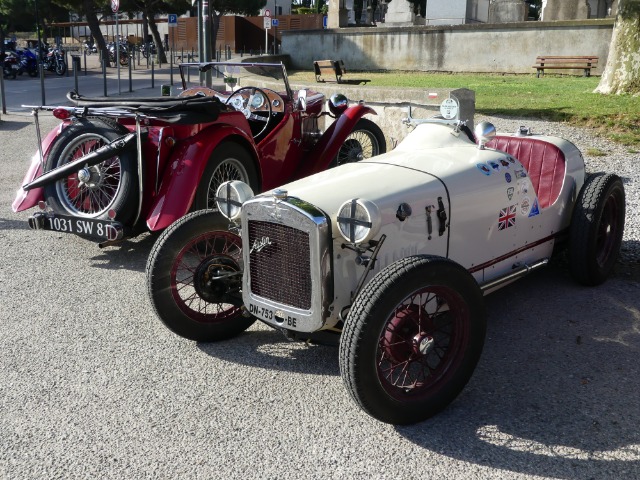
x,y
248,104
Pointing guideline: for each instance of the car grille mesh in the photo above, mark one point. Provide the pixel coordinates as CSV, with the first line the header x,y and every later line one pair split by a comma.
x,y
279,264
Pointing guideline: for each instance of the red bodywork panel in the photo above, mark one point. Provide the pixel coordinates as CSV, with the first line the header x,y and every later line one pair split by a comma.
x,y
182,174
24,199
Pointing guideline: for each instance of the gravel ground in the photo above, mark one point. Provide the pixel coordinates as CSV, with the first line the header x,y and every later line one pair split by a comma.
x,y
92,385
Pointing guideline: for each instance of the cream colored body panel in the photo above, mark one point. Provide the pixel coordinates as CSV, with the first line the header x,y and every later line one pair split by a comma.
x,y
434,167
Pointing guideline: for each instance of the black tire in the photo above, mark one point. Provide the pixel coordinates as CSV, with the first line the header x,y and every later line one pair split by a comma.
x,y
597,225
61,68
33,73
366,140
109,185
435,348
179,281
229,161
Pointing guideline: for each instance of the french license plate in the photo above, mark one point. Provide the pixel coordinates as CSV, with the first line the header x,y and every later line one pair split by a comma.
x,y
15,67
101,229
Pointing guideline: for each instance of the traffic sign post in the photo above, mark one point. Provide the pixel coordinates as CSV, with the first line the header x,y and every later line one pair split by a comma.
x,y
267,26
172,21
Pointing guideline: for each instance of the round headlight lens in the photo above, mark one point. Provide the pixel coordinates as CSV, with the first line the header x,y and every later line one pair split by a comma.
x,y
230,196
358,220
338,103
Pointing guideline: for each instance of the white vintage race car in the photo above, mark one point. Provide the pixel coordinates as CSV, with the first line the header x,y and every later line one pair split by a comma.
x,y
395,253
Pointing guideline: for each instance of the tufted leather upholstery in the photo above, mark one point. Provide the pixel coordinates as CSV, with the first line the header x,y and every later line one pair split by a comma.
x,y
545,164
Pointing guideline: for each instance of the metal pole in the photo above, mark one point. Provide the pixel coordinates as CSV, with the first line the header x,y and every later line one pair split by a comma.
x,y
118,52
104,74
41,67
153,80
200,43
173,45
130,79
75,71
206,41
3,100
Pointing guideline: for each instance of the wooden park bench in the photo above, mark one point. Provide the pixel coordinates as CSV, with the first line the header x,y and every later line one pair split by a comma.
x,y
557,62
333,71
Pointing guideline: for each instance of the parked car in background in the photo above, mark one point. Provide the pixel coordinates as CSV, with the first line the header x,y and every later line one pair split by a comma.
x,y
114,168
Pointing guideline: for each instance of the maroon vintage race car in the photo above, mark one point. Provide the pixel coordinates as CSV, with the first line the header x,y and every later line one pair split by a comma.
x,y
113,169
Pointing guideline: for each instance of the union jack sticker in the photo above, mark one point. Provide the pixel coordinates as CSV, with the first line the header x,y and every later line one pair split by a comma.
x,y
507,217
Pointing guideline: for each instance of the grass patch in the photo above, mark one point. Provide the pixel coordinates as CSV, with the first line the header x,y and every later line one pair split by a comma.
x,y
595,152
559,98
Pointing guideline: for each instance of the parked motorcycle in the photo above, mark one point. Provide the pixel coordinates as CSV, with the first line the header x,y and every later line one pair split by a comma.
x,y
123,54
10,65
89,48
148,48
53,61
28,63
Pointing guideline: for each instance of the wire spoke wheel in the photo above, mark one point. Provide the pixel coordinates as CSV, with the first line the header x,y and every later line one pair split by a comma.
x,y
421,341
194,273
91,190
194,278
229,169
412,339
366,140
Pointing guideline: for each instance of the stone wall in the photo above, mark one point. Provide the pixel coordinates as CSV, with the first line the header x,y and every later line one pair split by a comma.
x,y
490,48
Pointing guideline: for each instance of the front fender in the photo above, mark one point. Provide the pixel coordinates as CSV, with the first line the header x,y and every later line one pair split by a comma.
x,y
27,199
184,172
332,139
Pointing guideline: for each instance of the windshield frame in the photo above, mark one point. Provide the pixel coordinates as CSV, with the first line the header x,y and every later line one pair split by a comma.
x,y
204,66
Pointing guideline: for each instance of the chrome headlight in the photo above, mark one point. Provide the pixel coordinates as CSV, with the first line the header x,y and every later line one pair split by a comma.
x,y
359,220
230,196
338,103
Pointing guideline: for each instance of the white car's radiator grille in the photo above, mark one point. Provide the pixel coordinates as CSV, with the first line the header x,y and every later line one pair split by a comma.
x,y
279,264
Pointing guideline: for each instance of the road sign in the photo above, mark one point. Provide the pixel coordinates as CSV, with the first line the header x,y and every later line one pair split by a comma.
x,y
172,20
324,21
275,22
267,22
115,6
267,13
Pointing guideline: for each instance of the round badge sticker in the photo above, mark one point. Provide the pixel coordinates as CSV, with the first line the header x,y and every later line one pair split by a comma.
x,y
449,108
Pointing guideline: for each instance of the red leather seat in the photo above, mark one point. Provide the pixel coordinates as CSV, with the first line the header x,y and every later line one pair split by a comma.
x,y
545,164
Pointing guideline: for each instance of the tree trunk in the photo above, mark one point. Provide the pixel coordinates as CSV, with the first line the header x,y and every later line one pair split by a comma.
x,y
94,26
162,58
622,73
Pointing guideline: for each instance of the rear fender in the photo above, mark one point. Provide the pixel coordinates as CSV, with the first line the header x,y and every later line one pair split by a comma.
x,y
329,144
27,199
186,166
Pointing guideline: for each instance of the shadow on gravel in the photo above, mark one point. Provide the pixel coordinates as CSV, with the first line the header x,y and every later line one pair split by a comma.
x,y
269,349
13,125
556,390
6,224
130,254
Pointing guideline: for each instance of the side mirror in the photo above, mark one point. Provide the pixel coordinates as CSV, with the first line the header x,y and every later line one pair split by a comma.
x,y
484,132
302,100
